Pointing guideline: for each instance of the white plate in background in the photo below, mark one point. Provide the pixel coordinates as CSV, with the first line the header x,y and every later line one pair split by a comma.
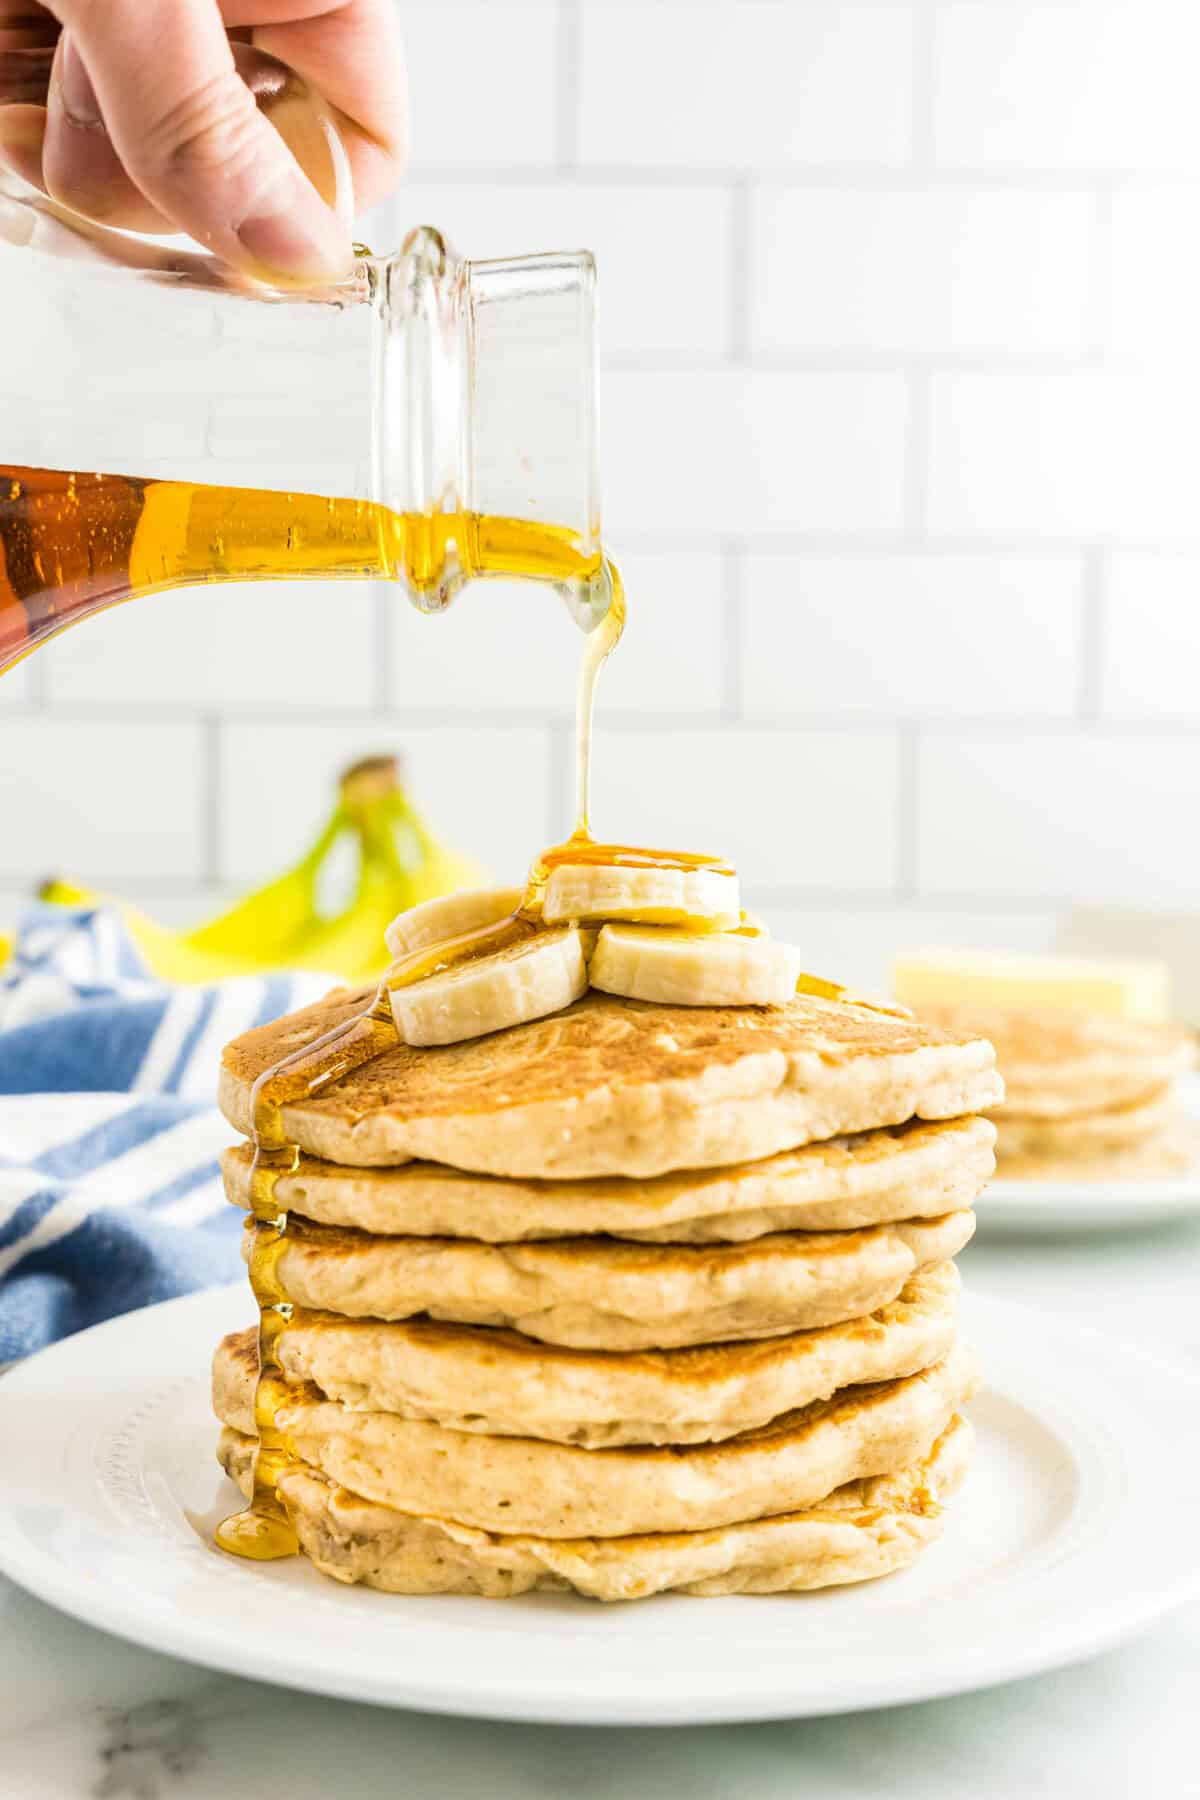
x,y
1057,1547
1062,1206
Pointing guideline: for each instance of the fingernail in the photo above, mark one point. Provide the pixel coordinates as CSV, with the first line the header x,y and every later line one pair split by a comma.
x,y
75,87
299,237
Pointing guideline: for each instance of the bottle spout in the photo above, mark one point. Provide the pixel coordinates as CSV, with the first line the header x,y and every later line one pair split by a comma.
x,y
485,437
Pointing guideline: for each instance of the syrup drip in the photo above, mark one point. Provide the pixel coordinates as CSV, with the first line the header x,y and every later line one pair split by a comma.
x,y
263,1531
599,647
469,946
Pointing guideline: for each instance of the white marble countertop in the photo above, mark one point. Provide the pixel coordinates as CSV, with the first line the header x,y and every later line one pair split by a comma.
x,y
86,1717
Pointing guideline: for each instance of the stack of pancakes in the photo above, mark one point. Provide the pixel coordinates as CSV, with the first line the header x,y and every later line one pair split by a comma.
x,y
629,1298
1087,1097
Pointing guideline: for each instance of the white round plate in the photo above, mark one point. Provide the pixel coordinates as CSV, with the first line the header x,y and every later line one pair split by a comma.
x,y
1058,1546
1061,1206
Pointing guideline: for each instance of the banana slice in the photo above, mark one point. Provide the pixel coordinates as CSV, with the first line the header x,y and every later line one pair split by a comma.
x,y
704,899
451,916
539,975
678,968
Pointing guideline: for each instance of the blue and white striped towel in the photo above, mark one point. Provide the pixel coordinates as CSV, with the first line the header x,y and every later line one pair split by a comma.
x,y
110,1196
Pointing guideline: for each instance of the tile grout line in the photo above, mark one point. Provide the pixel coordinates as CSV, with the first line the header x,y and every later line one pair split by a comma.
x,y
887,541
1174,728
878,900
923,88
853,176
885,902
858,362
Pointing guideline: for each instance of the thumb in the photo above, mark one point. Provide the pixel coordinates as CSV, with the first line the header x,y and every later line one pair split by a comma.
x,y
160,82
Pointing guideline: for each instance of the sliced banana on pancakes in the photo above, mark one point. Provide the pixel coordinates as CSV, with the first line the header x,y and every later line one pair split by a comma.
x,y
452,916
679,939
703,899
679,968
527,980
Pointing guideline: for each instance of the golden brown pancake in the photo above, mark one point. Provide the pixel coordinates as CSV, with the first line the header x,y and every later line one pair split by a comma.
x,y
621,1087
917,1170
863,1529
558,1490
506,1385
604,1294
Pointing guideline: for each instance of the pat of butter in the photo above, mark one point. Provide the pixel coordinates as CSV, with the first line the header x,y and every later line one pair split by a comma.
x,y
1119,989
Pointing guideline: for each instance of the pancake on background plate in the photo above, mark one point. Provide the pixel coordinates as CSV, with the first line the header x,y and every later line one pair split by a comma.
x,y
1087,1097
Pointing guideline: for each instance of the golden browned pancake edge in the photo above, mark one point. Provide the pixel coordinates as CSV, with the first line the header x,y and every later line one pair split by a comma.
x,y
920,1169
863,1530
621,1087
482,1379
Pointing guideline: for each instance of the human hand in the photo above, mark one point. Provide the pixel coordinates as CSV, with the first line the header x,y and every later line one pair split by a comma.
x,y
134,113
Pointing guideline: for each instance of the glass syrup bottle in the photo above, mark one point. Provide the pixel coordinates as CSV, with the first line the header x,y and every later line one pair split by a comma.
x,y
167,422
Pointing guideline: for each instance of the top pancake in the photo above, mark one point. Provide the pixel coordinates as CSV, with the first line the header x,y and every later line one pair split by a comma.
x,y
1056,1065
621,1087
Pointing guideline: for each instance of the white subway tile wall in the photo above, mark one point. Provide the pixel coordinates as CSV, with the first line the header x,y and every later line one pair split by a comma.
x,y
276,646
748,451
1151,645
17,687
117,797
507,649
1064,455
697,84
483,82
636,234
921,272
1059,85
1110,818
898,305
890,635
1155,271
796,810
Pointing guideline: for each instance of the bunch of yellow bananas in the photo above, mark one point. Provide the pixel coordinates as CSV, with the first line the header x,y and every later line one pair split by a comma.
x,y
282,925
